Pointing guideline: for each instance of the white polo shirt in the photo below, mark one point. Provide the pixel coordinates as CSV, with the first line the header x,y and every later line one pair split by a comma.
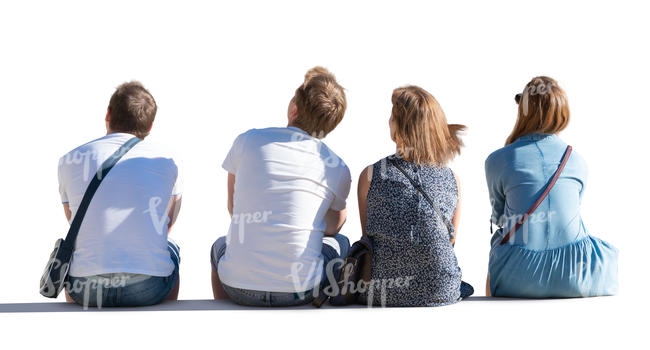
x,y
285,181
125,227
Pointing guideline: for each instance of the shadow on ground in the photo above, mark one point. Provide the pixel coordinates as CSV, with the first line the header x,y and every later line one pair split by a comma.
x,y
181,305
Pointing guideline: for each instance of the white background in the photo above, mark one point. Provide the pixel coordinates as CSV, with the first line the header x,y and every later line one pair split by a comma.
x,y
218,69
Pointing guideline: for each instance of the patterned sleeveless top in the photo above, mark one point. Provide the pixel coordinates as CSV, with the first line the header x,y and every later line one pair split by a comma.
x,y
413,260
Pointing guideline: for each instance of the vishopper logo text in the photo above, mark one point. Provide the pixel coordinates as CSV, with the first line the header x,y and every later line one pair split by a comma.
x,y
77,157
332,288
97,283
158,221
331,160
240,220
539,89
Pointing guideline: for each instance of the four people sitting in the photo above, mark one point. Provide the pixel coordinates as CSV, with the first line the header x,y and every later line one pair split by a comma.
x,y
287,193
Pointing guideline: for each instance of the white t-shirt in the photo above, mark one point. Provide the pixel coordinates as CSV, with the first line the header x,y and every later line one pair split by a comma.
x,y
285,181
125,226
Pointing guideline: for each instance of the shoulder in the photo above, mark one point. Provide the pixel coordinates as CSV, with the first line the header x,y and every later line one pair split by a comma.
x,y
267,134
453,173
499,155
240,139
251,133
366,174
332,159
501,158
386,167
85,147
84,153
365,179
270,131
151,147
443,174
575,158
154,148
578,158
254,132
578,162
369,172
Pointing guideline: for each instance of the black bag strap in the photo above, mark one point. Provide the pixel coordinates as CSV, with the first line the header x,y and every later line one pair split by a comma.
x,y
108,164
425,195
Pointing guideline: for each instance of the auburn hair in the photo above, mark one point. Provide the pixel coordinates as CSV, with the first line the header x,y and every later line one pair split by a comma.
x,y
421,130
320,101
543,108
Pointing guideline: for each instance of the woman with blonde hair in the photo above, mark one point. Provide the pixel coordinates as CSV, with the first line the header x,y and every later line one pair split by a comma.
x,y
536,182
409,208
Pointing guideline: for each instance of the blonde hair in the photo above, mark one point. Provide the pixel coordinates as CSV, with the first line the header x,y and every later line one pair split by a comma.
x,y
543,108
421,130
320,101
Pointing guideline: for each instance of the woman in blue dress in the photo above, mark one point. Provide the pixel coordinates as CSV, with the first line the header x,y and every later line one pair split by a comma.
x,y
413,229
551,254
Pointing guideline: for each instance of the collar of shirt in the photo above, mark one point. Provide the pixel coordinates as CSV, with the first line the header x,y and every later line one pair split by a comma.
x,y
298,130
536,136
118,134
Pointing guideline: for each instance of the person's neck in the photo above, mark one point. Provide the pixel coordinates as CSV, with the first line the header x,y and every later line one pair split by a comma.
x,y
398,150
294,126
110,132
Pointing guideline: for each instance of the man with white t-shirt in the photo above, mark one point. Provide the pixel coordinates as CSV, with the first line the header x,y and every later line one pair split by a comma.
x,y
287,196
122,256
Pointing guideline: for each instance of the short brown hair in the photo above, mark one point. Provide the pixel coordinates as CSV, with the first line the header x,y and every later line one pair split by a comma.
x,y
543,108
132,109
421,130
321,103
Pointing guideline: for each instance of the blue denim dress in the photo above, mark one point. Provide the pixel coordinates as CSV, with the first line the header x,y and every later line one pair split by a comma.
x,y
552,254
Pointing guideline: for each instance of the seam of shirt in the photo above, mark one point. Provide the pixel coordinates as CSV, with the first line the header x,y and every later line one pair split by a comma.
x,y
548,197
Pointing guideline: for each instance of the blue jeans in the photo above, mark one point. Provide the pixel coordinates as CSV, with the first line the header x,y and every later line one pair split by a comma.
x,y
333,247
115,290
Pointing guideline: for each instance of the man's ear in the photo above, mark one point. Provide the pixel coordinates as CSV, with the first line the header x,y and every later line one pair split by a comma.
x,y
293,112
108,120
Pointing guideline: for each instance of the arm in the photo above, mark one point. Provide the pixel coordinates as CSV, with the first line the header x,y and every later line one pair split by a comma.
x,y
495,189
337,213
334,221
231,192
174,209
63,193
362,193
456,219
66,210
